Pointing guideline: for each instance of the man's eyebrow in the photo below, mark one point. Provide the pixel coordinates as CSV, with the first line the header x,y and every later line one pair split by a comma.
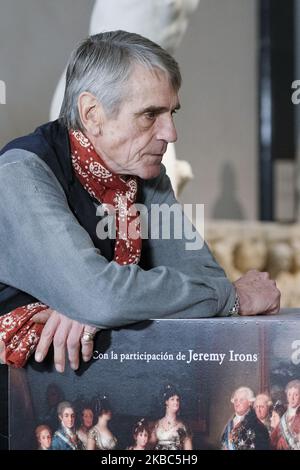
x,y
158,109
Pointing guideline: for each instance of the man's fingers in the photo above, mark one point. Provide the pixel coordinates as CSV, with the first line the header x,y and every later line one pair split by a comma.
x,y
47,337
274,307
73,344
64,332
87,350
87,342
265,276
42,317
59,343
257,293
2,352
273,310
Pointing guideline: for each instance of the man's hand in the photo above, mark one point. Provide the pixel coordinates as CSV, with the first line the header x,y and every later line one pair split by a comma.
x,y
64,333
257,293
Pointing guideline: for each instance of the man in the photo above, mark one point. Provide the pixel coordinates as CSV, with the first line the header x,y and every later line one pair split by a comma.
x,y
286,436
261,407
65,438
105,152
163,22
244,430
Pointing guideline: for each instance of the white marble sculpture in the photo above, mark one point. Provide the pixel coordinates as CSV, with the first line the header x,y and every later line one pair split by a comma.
x,y
162,21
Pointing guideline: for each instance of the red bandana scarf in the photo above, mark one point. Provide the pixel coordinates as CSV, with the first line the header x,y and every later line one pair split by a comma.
x,y
19,334
113,192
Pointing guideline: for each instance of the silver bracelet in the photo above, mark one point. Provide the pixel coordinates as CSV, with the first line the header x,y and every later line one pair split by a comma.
x,y
234,311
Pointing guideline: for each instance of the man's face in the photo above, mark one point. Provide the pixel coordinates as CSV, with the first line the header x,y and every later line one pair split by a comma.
x,y
45,439
293,397
133,142
68,418
241,403
261,409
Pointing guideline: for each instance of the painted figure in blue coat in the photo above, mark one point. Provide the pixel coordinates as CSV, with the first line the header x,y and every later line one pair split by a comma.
x,y
65,437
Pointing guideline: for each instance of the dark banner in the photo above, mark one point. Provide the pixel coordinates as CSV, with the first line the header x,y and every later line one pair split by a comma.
x,y
168,385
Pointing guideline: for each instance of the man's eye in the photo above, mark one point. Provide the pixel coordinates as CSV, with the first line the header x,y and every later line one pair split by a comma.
x,y
150,116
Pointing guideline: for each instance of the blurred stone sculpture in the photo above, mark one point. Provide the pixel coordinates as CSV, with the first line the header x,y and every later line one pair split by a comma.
x,y
280,258
250,254
222,250
291,282
296,256
162,21
271,247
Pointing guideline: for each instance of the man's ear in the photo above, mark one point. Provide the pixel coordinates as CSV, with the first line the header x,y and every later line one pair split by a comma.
x,y
90,112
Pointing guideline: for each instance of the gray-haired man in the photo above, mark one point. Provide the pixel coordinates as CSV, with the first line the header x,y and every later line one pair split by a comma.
x,y
105,151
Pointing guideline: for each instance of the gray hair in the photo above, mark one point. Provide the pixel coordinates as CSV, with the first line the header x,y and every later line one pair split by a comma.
x,y
62,406
246,391
102,65
265,397
293,384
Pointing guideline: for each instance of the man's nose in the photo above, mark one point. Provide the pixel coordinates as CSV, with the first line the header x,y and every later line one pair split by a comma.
x,y
166,129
